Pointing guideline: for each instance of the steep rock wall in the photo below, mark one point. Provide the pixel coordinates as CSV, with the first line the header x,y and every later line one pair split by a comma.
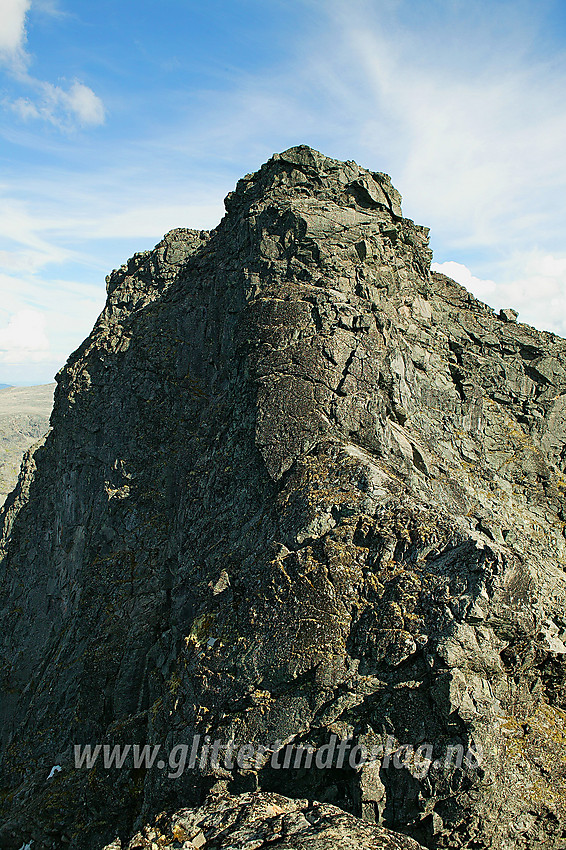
x,y
296,486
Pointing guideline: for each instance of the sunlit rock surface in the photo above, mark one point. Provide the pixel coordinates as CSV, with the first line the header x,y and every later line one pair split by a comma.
x,y
261,821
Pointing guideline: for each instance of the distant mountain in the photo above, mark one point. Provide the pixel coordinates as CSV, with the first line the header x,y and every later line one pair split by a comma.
x,y
4,386
24,418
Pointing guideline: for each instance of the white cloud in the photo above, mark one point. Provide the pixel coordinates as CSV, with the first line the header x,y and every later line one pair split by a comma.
x,y
27,230
41,322
78,105
84,210
22,261
482,289
63,107
24,339
533,283
84,104
154,220
25,108
12,31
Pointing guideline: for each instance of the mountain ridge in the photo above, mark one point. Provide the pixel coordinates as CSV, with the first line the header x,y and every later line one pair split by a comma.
x,y
296,486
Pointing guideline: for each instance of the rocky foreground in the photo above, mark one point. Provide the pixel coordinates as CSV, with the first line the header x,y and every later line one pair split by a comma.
x,y
264,820
298,490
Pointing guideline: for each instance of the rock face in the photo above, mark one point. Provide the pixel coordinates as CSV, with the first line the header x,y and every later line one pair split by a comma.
x,y
262,820
298,489
24,419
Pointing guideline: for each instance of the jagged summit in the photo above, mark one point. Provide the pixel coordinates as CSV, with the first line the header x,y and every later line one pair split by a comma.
x,y
301,170
296,487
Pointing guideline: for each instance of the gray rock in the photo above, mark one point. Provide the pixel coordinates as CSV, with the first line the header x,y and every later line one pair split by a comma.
x,y
508,315
298,489
254,821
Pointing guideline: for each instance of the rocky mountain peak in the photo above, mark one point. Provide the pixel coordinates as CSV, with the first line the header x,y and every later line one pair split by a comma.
x,y
297,489
303,171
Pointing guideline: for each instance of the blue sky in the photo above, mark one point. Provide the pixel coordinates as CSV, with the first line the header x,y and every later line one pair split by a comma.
x,y
119,121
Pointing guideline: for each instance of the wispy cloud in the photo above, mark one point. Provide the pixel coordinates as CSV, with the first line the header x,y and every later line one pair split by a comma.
x,y
64,107
41,322
78,227
456,102
24,339
78,105
469,119
13,32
